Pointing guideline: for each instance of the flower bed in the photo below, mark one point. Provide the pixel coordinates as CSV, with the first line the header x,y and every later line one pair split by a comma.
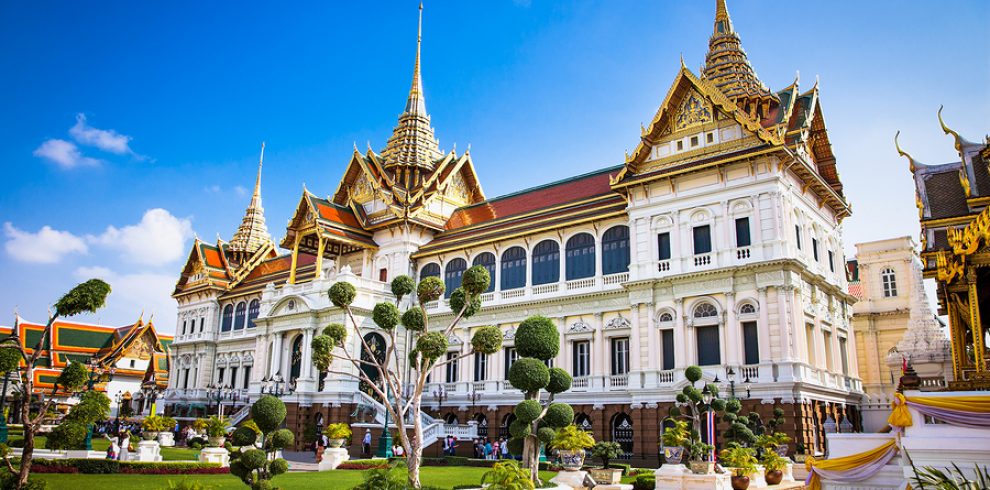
x,y
106,466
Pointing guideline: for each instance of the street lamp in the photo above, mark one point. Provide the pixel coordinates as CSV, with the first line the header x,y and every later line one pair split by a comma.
x,y
731,376
273,386
474,397
440,396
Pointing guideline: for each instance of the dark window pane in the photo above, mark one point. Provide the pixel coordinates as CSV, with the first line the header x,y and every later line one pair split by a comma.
x,y
814,248
742,232
487,260
708,346
452,276
702,239
253,310
667,337
546,262
663,246
580,256
751,344
615,250
228,318
797,233
429,270
514,268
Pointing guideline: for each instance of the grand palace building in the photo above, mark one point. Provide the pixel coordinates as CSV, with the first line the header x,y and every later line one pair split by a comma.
x,y
717,242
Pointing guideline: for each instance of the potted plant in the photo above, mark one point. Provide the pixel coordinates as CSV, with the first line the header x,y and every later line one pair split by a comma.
x,y
779,441
570,443
699,462
199,425
507,475
150,427
800,453
338,434
216,430
673,440
773,464
606,451
741,461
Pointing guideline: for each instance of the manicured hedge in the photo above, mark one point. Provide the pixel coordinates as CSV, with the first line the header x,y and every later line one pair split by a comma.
x,y
364,464
107,466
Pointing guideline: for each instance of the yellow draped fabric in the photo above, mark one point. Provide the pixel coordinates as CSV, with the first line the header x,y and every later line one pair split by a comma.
x,y
844,463
900,417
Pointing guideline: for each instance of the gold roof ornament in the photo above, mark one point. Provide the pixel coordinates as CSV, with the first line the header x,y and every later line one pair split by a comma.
x,y
912,163
728,68
960,141
252,234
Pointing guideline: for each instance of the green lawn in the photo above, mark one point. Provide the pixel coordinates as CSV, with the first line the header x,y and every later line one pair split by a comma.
x,y
445,477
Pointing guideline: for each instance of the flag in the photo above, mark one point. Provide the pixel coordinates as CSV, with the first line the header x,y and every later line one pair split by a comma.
x,y
710,415
903,365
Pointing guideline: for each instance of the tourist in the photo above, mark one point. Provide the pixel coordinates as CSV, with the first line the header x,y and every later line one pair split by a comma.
x,y
505,448
496,452
321,446
124,440
366,444
398,451
488,449
113,449
477,448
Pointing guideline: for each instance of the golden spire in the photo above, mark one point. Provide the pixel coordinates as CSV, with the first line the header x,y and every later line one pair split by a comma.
x,y
412,143
728,67
252,234
960,141
912,164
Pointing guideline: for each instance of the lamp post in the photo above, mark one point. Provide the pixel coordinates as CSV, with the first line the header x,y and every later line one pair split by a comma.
x,y
273,386
385,441
3,401
119,398
474,397
150,392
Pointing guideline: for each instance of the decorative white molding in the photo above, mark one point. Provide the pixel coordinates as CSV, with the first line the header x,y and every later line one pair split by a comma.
x,y
617,323
580,326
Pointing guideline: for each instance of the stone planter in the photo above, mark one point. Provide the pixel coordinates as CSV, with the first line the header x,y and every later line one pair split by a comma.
x,y
673,454
774,477
149,436
571,459
740,482
216,441
800,458
702,467
782,450
335,443
604,476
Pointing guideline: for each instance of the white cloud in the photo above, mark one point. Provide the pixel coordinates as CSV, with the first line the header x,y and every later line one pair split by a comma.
x,y
64,154
158,239
47,246
133,293
104,139
240,190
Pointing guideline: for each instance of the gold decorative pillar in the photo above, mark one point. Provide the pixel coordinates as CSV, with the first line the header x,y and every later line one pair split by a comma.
x,y
319,255
974,323
295,257
957,337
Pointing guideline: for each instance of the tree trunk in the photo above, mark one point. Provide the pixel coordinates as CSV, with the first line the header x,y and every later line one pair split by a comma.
x,y
29,428
415,449
534,458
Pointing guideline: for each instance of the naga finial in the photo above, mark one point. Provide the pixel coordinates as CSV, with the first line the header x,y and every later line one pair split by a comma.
x,y
683,66
904,154
947,130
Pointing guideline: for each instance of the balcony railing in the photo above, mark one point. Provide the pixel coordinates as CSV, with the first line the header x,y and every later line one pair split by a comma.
x,y
702,260
618,381
580,283
665,377
617,278
487,297
513,293
546,288
580,383
751,372
742,253
663,266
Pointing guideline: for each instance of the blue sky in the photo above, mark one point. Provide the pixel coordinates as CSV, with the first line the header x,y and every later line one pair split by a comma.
x,y
129,126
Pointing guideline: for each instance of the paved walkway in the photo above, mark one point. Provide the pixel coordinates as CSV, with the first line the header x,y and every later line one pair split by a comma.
x,y
300,460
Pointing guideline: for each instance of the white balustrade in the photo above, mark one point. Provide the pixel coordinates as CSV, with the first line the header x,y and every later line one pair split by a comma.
x,y
665,377
618,381
702,260
742,253
580,283
513,293
546,288
487,297
580,383
619,278
663,266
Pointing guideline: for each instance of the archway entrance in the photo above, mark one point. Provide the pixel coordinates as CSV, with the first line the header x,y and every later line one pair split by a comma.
x,y
374,352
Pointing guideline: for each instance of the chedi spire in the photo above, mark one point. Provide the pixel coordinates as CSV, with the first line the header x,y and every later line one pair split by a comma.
x,y
252,234
728,67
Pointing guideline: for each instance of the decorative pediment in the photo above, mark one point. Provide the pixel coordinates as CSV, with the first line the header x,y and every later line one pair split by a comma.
x,y
617,323
580,326
693,111
453,339
509,334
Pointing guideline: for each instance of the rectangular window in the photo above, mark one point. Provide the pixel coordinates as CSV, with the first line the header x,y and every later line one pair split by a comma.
x,y
709,350
247,377
831,261
582,359
843,355
480,366
663,246
702,239
680,145
742,232
510,357
383,275
814,248
220,377
710,137
751,344
183,327
797,233
233,378
185,379
201,322
452,367
827,337
694,141
667,339
620,356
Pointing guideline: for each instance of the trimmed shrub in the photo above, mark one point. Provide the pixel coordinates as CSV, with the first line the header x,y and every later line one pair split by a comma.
x,y
516,446
559,415
403,285
364,464
253,459
67,435
73,376
278,466
459,298
487,339
342,294
528,410
432,345
560,381
519,429
281,439
529,374
645,482
336,331
476,280
546,435
385,315
430,289
537,337
414,319
692,373
269,412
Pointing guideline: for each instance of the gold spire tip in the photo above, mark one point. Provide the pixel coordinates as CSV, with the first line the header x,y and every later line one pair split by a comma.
x,y
901,152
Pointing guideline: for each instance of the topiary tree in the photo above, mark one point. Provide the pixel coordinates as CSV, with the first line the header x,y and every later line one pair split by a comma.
x,y
257,467
425,349
741,429
537,342
85,297
691,401
92,406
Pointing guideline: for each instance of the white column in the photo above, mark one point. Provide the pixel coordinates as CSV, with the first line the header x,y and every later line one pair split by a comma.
x,y
732,343
277,355
598,358
653,347
763,328
564,356
599,258
634,343
562,265
307,357
636,259
685,357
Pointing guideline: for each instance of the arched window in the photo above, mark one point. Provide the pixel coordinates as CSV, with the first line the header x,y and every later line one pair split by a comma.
x,y
450,418
487,260
622,432
240,315
452,276
503,431
583,422
228,318
295,362
705,310
514,268
375,352
429,270
254,309
482,424
546,262
615,250
747,309
666,317
889,281
580,251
